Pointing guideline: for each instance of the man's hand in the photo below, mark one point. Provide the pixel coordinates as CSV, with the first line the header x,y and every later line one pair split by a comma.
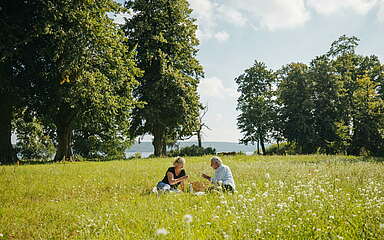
x,y
206,176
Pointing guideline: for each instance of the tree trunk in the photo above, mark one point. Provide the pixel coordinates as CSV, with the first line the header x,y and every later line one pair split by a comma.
x,y
64,139
164,149
7,153
258,148
199,138
262,145
157,143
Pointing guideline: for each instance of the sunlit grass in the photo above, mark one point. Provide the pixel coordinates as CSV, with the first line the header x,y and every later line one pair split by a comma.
x,y
290,197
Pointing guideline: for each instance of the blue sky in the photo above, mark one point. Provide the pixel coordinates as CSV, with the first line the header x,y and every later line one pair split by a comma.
x,y
234,33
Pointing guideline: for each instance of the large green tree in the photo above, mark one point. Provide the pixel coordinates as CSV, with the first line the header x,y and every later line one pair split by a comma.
x,y
295,98
325,95
164,36
256,104
20,23
79,68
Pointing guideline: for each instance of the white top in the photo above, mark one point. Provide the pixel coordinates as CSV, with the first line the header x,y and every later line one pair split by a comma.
x,y
224,174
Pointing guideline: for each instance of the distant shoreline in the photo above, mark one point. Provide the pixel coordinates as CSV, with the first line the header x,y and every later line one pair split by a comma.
x,y
219,146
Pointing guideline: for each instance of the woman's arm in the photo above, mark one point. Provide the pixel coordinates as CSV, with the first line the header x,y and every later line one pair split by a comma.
x,y
172,180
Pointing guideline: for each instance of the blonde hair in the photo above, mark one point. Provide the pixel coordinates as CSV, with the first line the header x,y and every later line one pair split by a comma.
x,y
179,160
217,160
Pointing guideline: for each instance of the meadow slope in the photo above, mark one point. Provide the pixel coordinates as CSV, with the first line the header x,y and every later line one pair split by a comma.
x,y
279,197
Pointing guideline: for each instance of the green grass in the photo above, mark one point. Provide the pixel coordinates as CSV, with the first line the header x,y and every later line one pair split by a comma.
x,y
279,197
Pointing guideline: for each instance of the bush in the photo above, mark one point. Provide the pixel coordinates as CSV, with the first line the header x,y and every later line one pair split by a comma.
x,y
192,151
282,149
33,140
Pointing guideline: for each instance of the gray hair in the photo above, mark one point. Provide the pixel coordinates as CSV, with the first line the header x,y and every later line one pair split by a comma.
x,y
179,160
217,160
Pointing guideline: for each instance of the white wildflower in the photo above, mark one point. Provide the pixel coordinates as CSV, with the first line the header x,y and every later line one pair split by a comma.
x,y
332,217
162,231
381,225
267,176
258,230
188,218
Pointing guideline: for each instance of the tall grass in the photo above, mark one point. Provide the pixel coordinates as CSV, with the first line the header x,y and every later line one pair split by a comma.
x,y
290,197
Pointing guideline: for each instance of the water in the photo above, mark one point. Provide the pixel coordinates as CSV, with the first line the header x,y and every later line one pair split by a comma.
x,y
146,154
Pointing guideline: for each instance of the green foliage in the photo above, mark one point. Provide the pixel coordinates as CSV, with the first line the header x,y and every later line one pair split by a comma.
x,y
368,114
333,105
164,37
193,150
33,141
79,70
295,99
256,104
283,148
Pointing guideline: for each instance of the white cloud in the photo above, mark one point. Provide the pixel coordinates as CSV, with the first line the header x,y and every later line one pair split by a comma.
x,y
274,14
214,87
218,117
221,36
328,7
380,13
204,11
271,15
119,18
232,15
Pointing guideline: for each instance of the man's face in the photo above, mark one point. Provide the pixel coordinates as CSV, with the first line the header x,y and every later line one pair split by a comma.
x,y
214,165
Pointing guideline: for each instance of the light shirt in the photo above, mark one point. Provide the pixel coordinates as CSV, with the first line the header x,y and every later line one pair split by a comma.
x,y
224,174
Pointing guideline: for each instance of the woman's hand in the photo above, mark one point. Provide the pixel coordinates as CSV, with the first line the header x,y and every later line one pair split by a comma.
x,y
185,177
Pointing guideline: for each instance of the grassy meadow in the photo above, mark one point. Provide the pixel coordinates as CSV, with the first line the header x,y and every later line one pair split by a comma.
x,y
279,197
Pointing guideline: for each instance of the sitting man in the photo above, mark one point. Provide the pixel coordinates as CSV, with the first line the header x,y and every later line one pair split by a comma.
x,y
223,175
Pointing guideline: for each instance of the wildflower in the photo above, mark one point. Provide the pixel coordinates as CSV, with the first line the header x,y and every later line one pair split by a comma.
x,y
332,217
381,225
162,231
188,218
267,176
258,230
208,223
224,202
1,235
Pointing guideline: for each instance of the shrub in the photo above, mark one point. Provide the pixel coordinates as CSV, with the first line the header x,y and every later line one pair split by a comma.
x,y
192,151
282,149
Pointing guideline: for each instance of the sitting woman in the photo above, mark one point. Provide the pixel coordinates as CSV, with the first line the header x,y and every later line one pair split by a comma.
x,y
174,176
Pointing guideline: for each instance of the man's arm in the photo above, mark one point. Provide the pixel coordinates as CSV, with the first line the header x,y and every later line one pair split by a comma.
x,y
206,177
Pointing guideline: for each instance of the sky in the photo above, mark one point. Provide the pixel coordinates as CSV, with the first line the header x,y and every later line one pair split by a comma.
x,y
235,33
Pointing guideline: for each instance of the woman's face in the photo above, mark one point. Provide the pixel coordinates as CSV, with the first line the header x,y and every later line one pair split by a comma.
x,y
179,165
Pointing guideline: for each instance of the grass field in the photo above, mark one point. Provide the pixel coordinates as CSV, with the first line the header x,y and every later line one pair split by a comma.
x,y
279,197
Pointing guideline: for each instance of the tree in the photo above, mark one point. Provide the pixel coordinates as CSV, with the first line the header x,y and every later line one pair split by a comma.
x,y
20,23
33,139
350,68
78,67
295,98
325,89
164,36
256,104
201,125
368,115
